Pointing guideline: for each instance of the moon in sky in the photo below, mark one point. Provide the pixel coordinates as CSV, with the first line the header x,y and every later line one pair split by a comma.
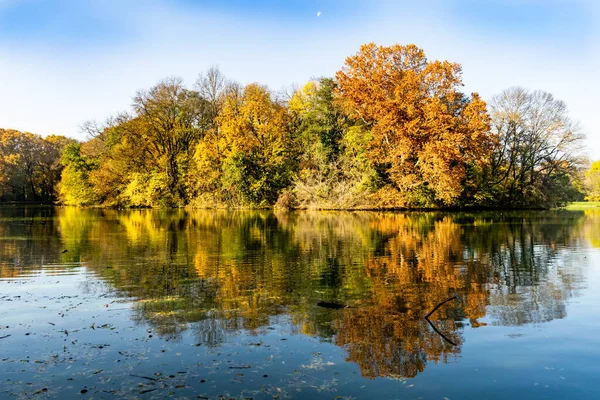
x,y
319,14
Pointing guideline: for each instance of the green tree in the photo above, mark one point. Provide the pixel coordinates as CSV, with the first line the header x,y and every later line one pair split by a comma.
x,y
75,187
333,171
321,121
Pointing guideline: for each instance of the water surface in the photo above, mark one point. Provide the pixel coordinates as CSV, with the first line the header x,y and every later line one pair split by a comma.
x,y
214,304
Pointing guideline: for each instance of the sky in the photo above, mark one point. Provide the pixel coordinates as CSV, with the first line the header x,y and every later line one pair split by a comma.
x,y
65,62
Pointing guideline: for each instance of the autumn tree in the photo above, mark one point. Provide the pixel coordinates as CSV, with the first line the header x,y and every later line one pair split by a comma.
x,y
427,134
210,151
592,180
100,169
257,144
142,158
536,158
12,173
174,119
129,172
29,165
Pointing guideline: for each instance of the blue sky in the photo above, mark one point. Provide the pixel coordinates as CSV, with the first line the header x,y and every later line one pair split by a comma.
x,y
65,62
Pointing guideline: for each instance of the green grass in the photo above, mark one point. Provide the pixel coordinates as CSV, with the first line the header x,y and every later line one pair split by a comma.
x,y
584,205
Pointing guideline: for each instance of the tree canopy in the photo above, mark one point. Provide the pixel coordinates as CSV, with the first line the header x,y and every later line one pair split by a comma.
x,y
29,165
392,129
536,160
426,133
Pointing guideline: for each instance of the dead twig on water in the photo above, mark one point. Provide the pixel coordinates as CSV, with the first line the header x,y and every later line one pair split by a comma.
x,y
433,326
240,367
145,377
148,390
439,305
440,333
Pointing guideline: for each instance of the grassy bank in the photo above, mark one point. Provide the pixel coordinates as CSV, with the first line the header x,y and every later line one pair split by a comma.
x,y
584,205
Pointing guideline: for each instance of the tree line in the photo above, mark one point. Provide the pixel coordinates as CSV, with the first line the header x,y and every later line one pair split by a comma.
x,y
390,130
30,167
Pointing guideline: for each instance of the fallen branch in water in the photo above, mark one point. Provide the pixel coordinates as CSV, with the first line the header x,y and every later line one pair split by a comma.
x,y
433,326
335,306
439,305
4,337
149,390
145,377
440,333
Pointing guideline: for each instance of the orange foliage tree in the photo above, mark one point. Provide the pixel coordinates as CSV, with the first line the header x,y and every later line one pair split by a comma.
x,y
428,137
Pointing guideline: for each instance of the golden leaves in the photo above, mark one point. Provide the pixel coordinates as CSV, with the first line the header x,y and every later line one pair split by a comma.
x,y
425,131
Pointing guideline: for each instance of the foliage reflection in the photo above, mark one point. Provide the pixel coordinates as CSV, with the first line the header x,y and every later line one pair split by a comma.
x,y
219,272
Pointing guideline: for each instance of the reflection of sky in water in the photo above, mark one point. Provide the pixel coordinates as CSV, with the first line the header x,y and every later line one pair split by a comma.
x,y
208,303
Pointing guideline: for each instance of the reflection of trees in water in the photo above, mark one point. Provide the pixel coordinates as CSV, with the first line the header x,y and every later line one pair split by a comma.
x,y
28,240
420,263
591,229
216,272
502,266
541,301
394,345
531,260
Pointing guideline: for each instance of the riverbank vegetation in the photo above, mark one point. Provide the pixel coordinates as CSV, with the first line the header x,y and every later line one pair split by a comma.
x,y
390,130
30,167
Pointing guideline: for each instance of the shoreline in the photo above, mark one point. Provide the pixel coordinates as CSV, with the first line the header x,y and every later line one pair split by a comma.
x,y
571,206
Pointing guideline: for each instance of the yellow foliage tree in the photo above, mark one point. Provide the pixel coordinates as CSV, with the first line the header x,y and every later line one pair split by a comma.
x,y
256,145
592,177
29,165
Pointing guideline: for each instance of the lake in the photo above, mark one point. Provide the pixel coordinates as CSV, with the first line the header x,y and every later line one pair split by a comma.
x,y
144,304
